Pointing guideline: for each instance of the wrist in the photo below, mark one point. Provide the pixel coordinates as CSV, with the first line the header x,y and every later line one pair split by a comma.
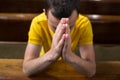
x,y
67,57
53,55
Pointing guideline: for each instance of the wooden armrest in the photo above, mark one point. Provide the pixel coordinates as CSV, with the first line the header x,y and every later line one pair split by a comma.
x,y
11,69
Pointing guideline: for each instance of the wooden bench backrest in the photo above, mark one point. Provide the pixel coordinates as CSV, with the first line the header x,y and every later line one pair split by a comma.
x,y
104,7
16,16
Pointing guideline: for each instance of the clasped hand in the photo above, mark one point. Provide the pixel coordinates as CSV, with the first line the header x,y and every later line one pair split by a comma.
x,y
61,43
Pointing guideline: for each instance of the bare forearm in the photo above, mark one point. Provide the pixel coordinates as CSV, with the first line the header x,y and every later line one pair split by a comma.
x,y
83,66
38,64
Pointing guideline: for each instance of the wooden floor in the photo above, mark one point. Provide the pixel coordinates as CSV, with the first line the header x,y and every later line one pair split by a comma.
x,y
11,69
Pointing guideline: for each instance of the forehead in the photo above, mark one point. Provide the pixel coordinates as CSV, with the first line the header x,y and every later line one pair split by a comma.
x,y
54,21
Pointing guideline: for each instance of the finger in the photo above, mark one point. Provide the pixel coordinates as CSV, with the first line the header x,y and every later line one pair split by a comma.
x,y
61,43
58,35
61,31
67,20
62,21
67,28
65,43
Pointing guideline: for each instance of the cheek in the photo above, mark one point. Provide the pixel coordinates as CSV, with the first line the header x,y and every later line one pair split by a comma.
x,y
52,28
72,26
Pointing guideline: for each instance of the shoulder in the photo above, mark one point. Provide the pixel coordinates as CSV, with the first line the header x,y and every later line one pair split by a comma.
x,y
82,18
40,18
83,21
38,23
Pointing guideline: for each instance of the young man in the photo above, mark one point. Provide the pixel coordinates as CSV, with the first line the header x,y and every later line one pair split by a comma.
x,y
55,34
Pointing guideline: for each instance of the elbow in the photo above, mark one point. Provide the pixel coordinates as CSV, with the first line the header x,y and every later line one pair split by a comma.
x,y
92,72
26,71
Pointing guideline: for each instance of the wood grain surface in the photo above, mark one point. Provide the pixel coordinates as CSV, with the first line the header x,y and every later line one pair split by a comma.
x,y
11,69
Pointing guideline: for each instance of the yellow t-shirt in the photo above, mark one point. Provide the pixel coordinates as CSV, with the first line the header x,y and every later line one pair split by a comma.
x,y
41,34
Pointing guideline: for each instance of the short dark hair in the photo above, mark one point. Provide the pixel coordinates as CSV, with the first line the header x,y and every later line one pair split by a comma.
x,y
62,8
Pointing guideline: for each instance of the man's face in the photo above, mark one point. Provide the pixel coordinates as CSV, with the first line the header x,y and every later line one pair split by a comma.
x,y
53,22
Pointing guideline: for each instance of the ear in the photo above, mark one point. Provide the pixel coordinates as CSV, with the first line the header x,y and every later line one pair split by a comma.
x,y
45,12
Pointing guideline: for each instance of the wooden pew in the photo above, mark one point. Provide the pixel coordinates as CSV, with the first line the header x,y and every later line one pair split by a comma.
x,y
11,69
15,19
104,15
104,7
21,6
105,28
15,26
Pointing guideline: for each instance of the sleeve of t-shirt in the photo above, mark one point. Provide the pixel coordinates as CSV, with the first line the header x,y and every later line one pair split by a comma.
x,y
34,35
87,34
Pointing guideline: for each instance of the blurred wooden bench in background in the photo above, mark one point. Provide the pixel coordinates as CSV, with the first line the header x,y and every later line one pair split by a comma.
x,y
16,16
15,19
